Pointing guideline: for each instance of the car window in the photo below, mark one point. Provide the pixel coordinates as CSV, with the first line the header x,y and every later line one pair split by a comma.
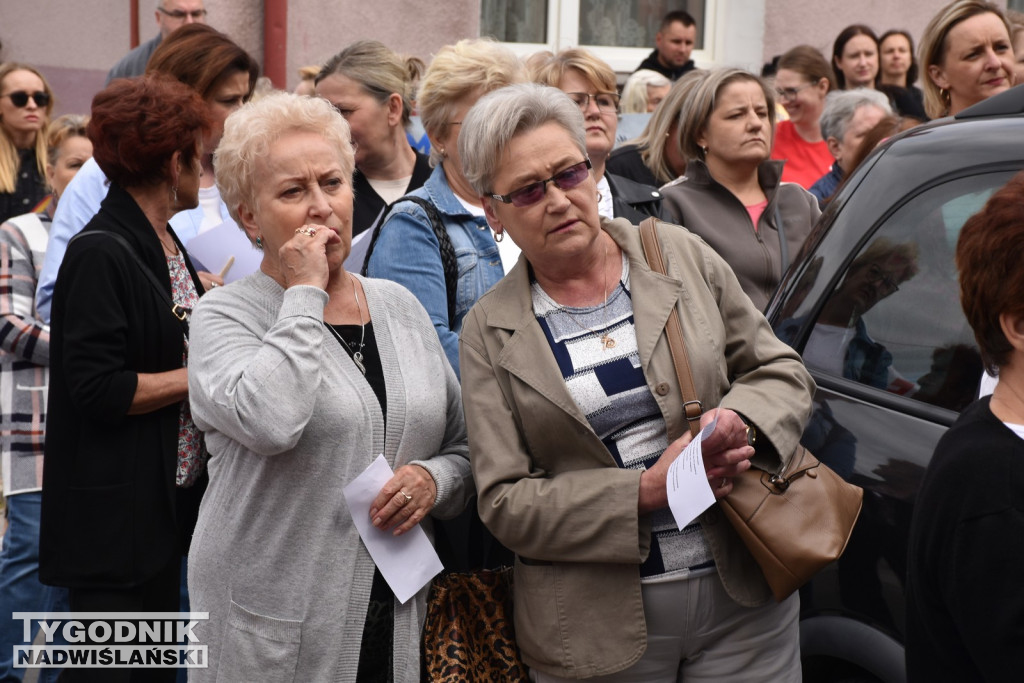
x,y
894,320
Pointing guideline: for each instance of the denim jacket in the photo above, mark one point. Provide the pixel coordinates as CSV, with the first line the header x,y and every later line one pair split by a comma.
x,y
408,253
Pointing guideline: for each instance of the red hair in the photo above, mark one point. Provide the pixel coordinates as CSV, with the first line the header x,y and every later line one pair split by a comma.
x,y
138,124
989,254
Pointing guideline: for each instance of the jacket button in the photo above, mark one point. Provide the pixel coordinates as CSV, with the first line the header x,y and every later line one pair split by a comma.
x,y
655,194
662,388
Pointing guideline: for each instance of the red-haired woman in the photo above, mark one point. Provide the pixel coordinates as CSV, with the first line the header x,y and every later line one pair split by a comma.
x,y
964,605
123,460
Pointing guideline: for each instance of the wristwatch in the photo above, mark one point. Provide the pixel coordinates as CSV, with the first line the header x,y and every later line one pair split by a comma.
x,y
751,432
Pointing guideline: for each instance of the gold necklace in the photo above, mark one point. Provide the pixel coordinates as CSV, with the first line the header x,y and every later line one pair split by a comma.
x,y
607,341
169,250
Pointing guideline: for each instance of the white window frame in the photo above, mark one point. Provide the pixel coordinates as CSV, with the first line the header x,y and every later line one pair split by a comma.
x,y
563,32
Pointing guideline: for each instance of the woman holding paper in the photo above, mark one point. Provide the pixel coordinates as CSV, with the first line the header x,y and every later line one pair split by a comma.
x,y
301,374
575,414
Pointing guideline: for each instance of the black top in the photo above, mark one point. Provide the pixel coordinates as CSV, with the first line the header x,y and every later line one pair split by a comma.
x,y
965,606
29,188
673,74
634,200
352,334
625,161
368,206
111,513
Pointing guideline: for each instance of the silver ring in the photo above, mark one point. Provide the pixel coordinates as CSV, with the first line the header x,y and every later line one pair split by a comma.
x,y
306,230
407,496
213,284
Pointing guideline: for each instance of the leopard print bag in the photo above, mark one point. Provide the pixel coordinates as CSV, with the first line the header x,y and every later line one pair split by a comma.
x,y
469,635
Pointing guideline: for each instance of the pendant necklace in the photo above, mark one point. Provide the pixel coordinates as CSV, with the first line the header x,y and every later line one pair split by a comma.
x,y
357,353
607,341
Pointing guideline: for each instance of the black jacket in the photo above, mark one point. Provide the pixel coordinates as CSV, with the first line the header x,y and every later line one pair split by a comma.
x,y
112,516
368,206
653,64
634,200
625,161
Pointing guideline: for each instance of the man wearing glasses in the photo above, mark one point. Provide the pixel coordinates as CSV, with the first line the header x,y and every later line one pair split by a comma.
x,y
170,14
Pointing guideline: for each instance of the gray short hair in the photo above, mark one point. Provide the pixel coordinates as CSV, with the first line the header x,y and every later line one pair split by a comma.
x,y
634,92
499,116
841,105
249,132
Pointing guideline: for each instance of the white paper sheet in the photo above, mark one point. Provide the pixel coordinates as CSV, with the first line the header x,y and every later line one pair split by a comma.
x,y
213,247
689,492
407,562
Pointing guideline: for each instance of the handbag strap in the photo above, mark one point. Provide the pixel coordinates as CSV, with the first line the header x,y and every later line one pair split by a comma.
x,y
673,330
179,312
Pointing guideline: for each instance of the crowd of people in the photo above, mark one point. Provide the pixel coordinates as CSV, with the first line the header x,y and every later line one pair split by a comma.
x,y
176,434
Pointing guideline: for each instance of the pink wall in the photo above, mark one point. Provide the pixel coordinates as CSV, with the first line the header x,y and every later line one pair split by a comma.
x,y
75,42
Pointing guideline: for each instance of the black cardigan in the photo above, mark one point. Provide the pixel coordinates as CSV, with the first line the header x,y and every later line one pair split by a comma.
x,y
368,206
965,607
112,516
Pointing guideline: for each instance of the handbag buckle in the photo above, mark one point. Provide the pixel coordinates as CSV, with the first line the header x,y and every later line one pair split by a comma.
x,y
180,312
686,409
778,481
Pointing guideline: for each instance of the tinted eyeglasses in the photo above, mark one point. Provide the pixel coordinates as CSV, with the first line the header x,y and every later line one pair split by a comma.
x,y
196,14
19,98
607,102
534,192
877,276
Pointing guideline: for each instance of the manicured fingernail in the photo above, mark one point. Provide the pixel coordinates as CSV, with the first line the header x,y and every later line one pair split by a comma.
x,y
378,522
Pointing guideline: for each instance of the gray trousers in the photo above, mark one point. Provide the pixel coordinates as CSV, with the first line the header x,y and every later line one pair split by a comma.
x,y
697,633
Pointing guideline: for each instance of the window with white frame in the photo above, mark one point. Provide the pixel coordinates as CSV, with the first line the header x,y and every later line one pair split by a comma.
x,y
622,32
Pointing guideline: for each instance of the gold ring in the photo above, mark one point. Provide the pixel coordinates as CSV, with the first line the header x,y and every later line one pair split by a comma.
x,y
407,496
306,230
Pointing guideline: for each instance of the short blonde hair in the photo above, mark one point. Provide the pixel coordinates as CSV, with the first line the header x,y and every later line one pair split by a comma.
x,y
634,92
469,67
62,128
250,131
551,70
933,47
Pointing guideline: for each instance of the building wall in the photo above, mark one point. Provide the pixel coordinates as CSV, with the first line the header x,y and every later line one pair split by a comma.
x,y
75,42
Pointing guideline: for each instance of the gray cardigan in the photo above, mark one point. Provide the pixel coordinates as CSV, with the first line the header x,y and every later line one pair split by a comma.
x,y
289,421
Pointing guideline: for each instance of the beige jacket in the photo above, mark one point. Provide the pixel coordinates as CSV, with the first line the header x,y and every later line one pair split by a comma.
x,y
548,488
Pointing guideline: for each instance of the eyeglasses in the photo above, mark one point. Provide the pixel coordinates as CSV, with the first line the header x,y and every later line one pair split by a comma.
x,y
790,93
534,192
196,14
19,98
877,275
607,102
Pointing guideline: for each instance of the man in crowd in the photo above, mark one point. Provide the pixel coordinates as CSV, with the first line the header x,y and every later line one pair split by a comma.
x,y
673,45
170,14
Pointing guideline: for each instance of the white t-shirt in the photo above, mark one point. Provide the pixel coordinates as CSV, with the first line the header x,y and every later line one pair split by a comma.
x,y
390,190
209,200
605,206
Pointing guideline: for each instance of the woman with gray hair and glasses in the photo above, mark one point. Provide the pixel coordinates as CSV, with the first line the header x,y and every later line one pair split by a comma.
x,y
575,414
847,117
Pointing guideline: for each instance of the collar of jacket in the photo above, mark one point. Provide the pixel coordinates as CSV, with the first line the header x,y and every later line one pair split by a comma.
x,y
510,307
631,191
128,220
769,177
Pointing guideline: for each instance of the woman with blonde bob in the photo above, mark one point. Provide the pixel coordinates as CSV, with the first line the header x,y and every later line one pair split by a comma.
x,y
407,250
732,194
300,375
590,83
643,92
967,56
575,415
655,157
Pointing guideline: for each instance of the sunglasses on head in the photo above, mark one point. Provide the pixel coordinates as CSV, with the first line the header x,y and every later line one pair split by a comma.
x,y
534,192
19,98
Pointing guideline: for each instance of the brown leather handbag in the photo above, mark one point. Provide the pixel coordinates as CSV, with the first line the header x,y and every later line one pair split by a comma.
x,y
794,521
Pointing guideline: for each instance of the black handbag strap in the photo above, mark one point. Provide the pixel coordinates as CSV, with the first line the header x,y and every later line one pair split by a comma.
x,y
673,330
179,312
448,261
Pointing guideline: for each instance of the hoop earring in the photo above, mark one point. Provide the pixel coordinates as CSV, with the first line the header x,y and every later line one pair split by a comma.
x,y
944,94
259,242
498,236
